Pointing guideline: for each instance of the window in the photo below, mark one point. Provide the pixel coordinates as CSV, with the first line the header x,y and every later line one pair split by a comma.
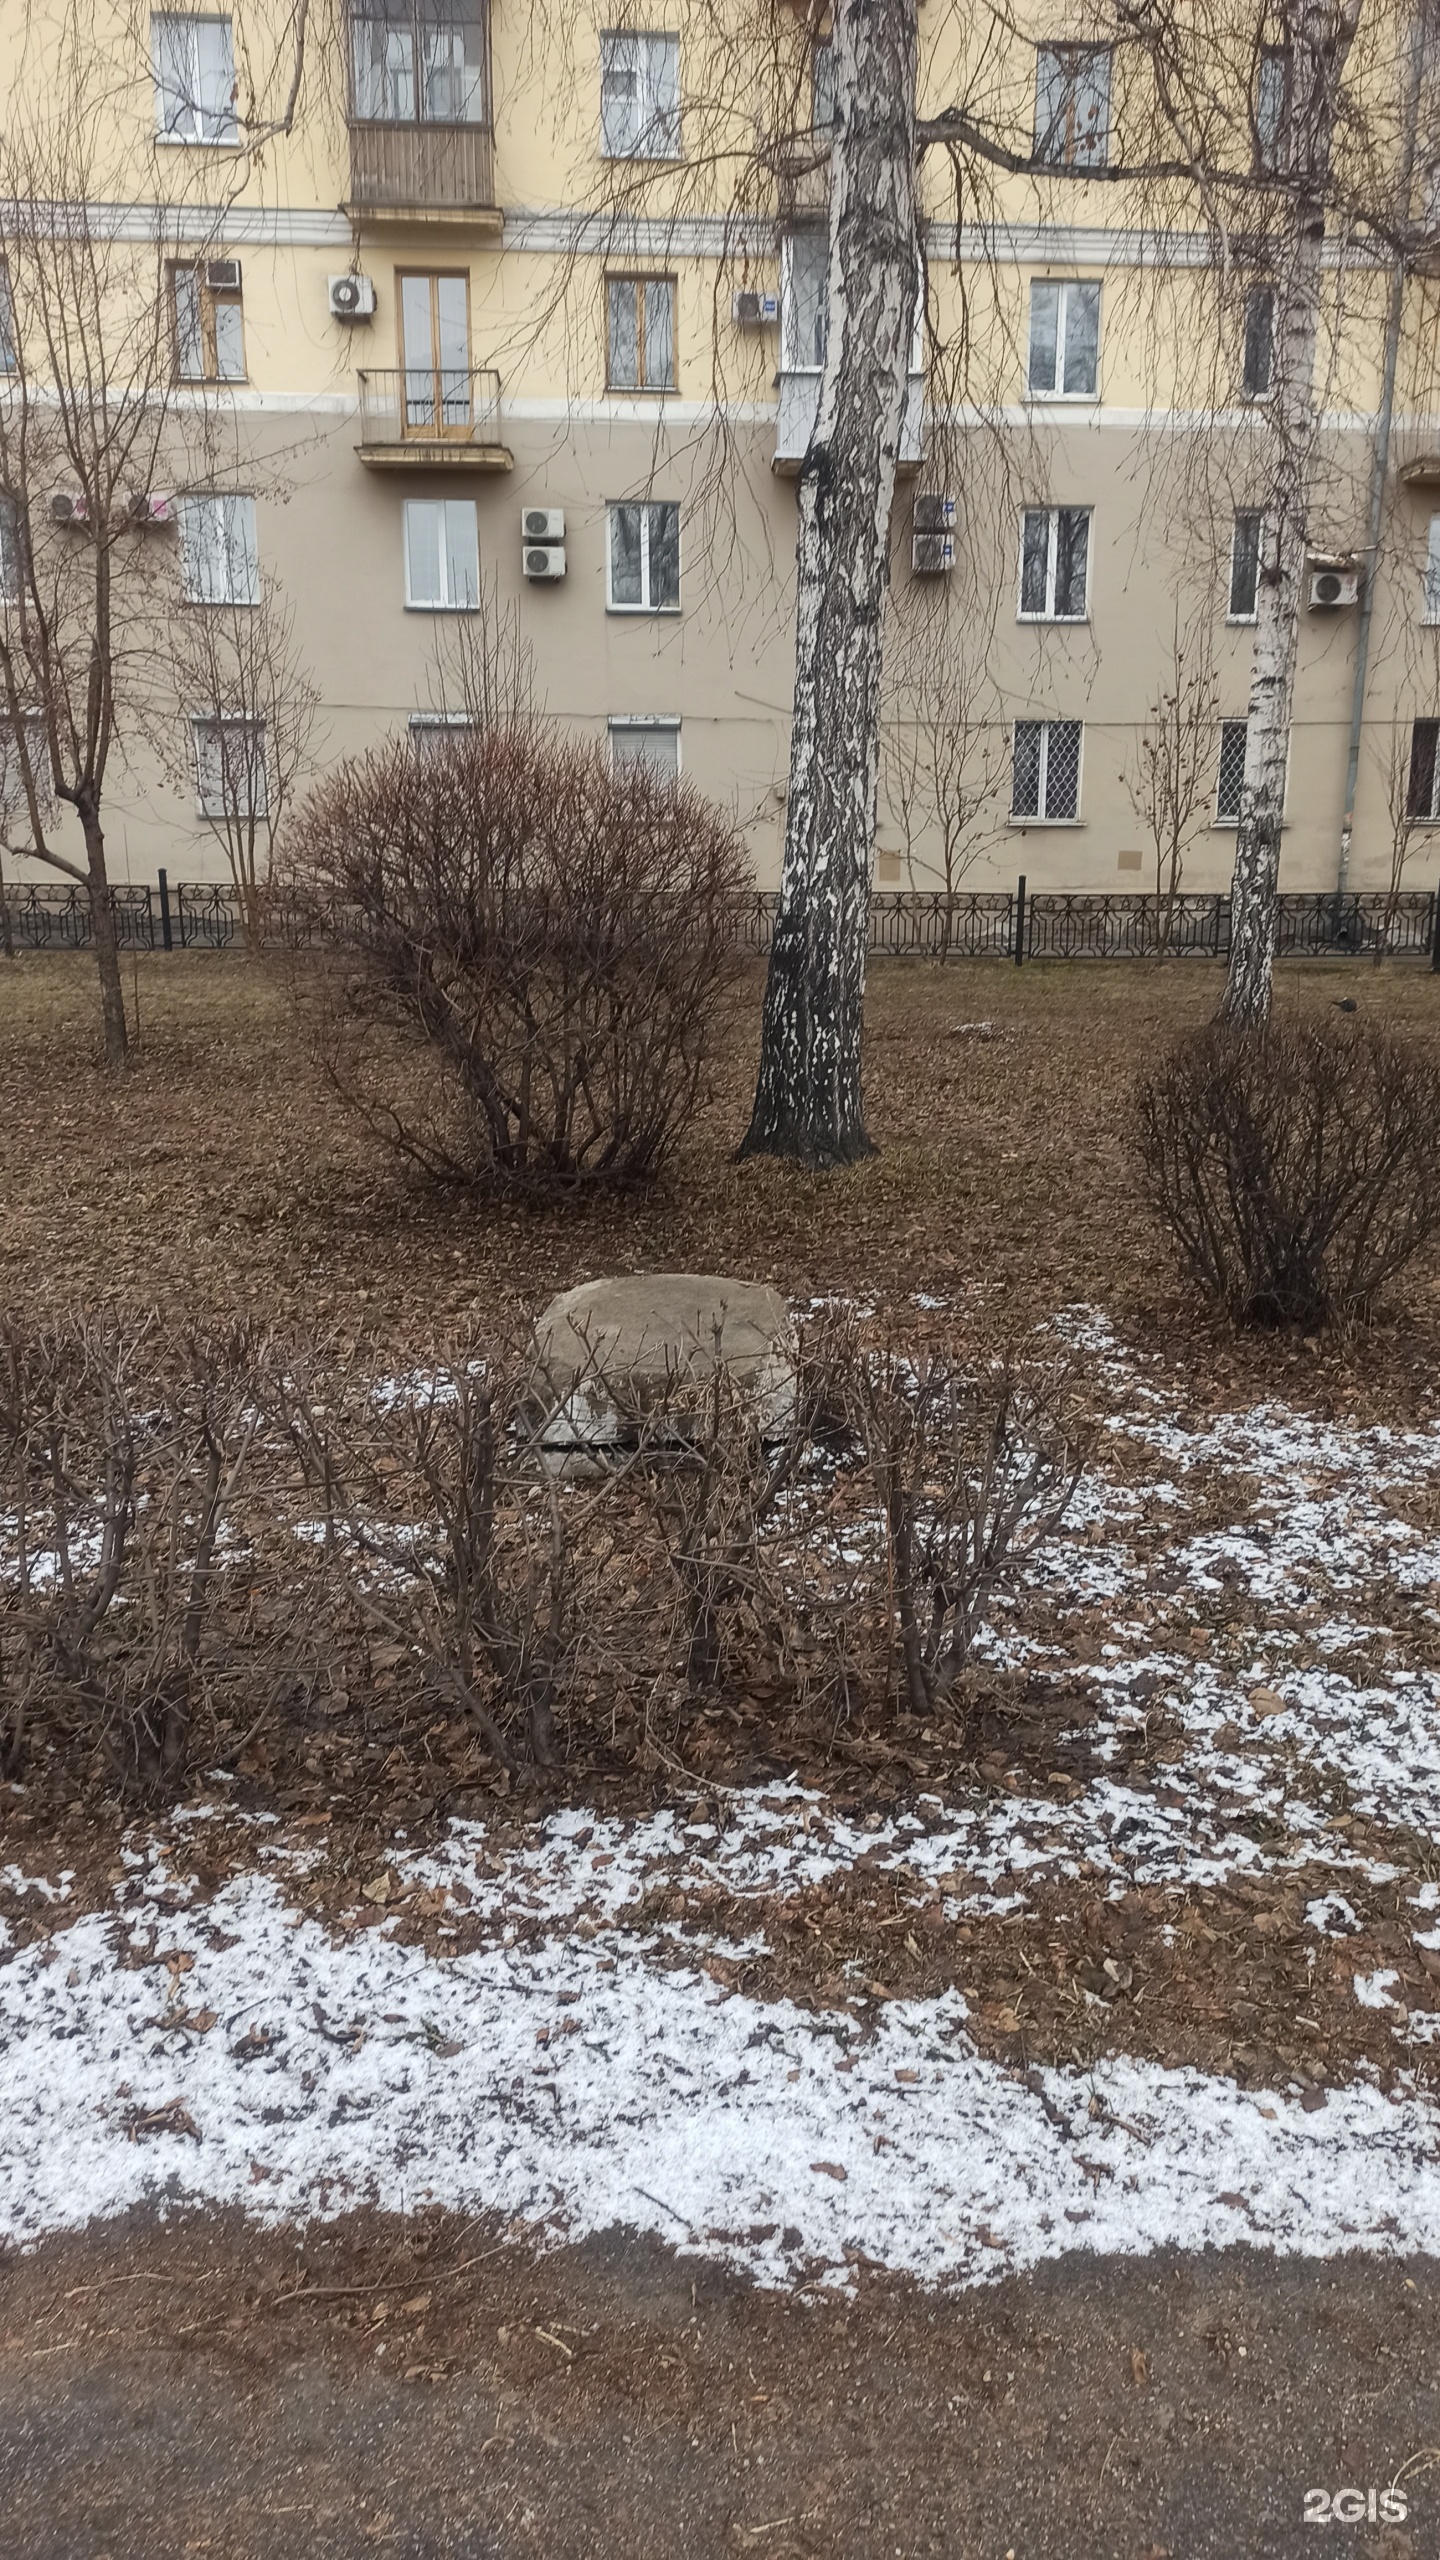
x,y
9,552
640,97
1230,781
1054,554
194,65
645,741
230,775
1424,770
435,345
1272,105
432,731
219,560
1245,565
1072,105
7,322
822,88
1430,610
25,744
804,259
1064,339
1045,780
442,555
209,327
640,333
419,62
1259,340
645,559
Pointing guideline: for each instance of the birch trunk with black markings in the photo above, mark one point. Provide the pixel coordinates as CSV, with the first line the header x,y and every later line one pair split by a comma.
x,y
808,1105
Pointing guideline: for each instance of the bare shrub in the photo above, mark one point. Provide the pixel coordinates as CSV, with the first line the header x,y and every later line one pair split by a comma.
x,y
1296,1166
449,1538
973,1469
121,1467
529,954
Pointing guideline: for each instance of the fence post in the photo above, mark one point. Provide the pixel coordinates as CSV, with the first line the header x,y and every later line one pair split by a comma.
x,y
1020,920
167,940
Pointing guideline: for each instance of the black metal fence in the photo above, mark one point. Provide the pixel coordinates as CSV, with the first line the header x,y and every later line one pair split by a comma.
x,y
1047,924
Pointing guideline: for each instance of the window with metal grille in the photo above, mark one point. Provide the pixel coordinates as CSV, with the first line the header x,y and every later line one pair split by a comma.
x,y
1064,339
1072,105
1230,780
640,740
640,97
1259,353
194,65
1045,777
208,322
1424,743
219,556
230,768
432,731
419,62
1430,609
640,333
1245,565
1054,561
644,559
442,555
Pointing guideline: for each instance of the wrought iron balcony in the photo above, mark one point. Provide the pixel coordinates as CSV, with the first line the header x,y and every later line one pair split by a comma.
x,y
415,418
442,172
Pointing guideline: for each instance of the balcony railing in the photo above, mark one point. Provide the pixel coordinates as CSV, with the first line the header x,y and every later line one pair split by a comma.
x,y
426,168
800,406
419,417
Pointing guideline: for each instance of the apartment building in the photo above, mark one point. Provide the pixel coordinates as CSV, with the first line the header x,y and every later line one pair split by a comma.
x,y
488,323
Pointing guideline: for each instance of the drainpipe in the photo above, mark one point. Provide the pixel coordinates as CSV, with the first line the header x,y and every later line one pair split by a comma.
x,y
1380,463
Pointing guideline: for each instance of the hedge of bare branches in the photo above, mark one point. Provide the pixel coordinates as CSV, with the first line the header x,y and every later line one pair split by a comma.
x,y
198,1538
1297,1167
529,953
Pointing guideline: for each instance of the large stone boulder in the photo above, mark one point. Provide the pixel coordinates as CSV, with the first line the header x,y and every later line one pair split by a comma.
x,y
614,1356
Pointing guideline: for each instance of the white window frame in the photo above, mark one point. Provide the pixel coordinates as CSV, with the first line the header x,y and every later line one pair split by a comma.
x,y
219,551
10,556
1065,56
445,602
1062,287
1245,515
12,787
1024,613
1041,817
631,723
815,234
206,725
8,349
654,62
210,125
647,509
640,289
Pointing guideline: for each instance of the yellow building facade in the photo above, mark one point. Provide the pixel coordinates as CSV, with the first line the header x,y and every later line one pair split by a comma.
x,y
505,308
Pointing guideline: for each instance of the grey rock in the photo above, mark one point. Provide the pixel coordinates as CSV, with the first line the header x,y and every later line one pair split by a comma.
x,y
613,1355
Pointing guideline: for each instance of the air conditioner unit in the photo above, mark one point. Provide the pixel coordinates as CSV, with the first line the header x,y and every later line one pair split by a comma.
x,y
544,559
931,554
933,513
68,506
755,310
222,275
1331,588
151,508
542,524
351,298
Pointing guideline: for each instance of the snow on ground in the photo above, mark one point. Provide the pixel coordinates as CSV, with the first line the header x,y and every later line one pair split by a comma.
x,y
580,2067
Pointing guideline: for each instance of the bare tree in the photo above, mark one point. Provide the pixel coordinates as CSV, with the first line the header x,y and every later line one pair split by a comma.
x,y
251,710
942,748
1171,780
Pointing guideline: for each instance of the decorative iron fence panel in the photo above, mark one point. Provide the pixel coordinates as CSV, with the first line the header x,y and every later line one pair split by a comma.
x,y
975,924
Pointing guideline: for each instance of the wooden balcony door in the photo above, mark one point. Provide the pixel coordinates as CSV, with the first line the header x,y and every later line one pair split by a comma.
x,y
435,354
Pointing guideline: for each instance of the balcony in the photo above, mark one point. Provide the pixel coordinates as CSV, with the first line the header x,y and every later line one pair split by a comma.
x,y
419,420
799,408
430,173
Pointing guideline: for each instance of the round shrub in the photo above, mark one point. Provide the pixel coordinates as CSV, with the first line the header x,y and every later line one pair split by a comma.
x,y
1297,1167
524,956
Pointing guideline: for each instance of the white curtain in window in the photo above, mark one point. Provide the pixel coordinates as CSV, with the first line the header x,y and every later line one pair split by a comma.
x,y
218,550
194,65
640,97
230,768
442,557
803,314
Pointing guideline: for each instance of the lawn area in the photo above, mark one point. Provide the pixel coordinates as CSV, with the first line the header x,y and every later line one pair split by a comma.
x,y
220,1174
